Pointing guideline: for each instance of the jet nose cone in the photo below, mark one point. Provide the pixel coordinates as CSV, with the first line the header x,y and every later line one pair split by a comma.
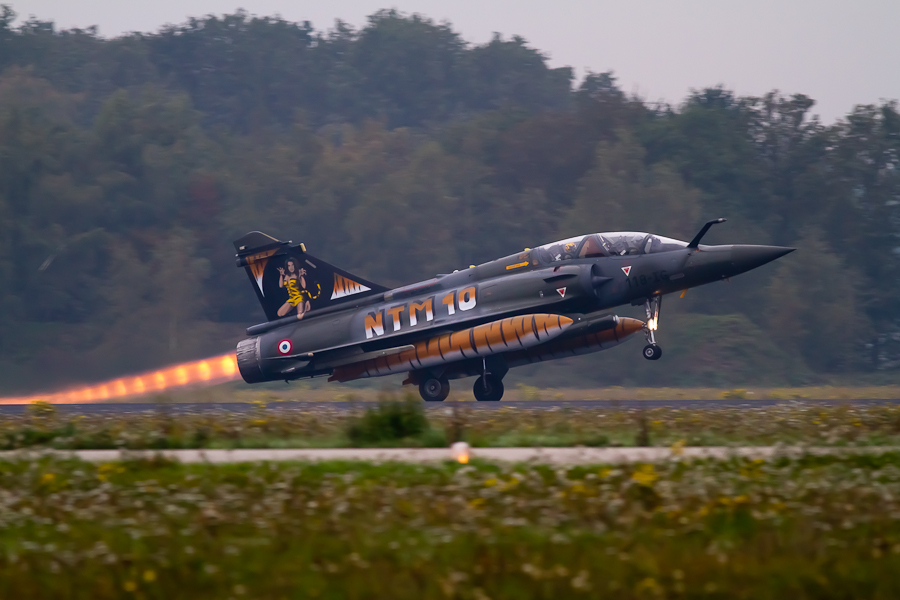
x,y
745,258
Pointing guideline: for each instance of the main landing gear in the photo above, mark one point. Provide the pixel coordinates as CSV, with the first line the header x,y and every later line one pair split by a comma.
x,y
434,389
489,387
652,307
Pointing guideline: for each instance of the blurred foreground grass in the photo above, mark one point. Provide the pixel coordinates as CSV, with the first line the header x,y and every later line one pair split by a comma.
x,y
786,528
316,391
411,423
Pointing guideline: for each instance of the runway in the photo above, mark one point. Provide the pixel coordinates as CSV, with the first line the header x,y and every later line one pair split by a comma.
x,y
241,407
550,456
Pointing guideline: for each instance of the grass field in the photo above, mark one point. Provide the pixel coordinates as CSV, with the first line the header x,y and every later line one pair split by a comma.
x,y
408,423
801,528
317,391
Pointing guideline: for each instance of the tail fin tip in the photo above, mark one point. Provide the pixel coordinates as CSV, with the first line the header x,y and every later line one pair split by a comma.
x,y
254,241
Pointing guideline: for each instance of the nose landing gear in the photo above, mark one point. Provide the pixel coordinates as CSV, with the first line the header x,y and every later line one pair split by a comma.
x,y
652,307
652,352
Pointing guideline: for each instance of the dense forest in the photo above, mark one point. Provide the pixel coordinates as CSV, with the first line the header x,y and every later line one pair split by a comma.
x,y
397,151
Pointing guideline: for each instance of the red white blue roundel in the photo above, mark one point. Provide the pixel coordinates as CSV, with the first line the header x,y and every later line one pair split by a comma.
x,y
284,347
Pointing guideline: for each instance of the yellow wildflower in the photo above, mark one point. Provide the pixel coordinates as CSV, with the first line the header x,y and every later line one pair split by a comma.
x,y
648,585
645,475
513,482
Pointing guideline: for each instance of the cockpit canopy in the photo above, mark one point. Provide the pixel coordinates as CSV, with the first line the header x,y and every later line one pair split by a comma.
x,y
617,243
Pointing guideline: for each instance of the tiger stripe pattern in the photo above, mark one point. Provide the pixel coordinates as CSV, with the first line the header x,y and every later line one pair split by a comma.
x,y
346,287
575,346
505,335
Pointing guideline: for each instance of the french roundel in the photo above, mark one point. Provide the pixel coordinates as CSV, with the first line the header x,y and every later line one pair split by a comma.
x,y
284,347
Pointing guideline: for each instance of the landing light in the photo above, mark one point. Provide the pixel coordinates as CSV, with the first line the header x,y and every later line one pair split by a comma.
x,y
651,324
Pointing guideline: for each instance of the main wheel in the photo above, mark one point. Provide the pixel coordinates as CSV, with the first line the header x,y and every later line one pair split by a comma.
x,y
434,389
652,352
488,388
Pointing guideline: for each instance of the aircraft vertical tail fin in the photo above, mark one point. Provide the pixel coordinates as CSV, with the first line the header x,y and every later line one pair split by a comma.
x,y
289,281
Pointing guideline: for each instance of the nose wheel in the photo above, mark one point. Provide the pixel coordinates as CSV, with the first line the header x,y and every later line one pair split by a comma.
x,y
652,352
652,307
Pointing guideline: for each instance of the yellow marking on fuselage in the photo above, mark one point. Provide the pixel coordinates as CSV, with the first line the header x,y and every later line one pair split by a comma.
x,y
517,265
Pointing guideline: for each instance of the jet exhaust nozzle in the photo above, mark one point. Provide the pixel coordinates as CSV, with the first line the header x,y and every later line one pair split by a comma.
x,y
249,361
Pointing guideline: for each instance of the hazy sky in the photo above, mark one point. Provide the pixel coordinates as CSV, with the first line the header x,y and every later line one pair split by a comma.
x,y
840,53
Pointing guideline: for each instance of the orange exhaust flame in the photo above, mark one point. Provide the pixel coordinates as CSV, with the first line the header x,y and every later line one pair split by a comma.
x,y
208,371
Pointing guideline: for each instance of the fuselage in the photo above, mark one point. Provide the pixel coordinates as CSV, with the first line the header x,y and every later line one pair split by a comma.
x,y
577,279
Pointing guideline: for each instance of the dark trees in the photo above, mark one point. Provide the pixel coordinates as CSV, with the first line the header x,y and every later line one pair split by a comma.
x,y
399,151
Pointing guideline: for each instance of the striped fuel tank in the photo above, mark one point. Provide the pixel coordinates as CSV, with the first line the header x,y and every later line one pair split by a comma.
x,y
505,335
575,346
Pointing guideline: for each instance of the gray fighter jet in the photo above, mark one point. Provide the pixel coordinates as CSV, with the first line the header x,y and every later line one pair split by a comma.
x,y
540,304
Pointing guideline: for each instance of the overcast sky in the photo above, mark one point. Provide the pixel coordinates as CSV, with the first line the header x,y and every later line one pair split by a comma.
x,y
840,53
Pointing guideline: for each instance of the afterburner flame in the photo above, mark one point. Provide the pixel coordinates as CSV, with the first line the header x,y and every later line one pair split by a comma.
x,y
208,371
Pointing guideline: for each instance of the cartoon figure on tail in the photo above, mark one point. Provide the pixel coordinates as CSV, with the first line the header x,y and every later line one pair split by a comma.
x,y
293,278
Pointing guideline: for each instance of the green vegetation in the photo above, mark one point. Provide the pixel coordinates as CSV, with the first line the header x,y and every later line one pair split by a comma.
x,y
408,424
398,151
801,528
389,422
318,390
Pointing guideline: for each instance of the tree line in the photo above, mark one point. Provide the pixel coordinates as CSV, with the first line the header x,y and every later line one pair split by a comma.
x,y
397,151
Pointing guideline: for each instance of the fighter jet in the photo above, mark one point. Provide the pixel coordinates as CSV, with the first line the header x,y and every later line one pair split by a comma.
x,y
540,304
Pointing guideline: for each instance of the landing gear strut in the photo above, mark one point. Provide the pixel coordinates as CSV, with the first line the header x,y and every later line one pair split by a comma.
x,y
489,387
652,307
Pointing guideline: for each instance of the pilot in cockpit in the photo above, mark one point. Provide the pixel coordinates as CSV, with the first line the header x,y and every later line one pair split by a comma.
x,y
564,250
624,243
